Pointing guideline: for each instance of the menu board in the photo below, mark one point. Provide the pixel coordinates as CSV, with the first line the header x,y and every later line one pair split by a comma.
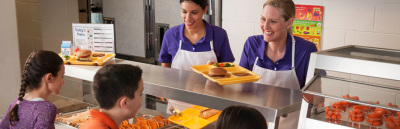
x,y
94,37
307,23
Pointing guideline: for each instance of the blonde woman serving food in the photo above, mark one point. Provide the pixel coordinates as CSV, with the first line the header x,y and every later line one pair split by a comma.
x,y
278,56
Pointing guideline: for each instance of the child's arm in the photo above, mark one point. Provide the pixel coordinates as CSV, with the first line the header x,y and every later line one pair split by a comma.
x,y
46,118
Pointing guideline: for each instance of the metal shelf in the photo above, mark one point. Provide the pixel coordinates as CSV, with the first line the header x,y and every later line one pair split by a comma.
x,y
191,87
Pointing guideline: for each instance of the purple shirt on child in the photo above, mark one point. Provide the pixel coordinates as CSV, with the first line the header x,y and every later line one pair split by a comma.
x,y
32,115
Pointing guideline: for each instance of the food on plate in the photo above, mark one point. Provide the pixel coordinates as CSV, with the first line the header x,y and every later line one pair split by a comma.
x,y
75,120
135,126
224,65
166,121
143,123
242,74
159,120
84,55
217,72
98,54
66,57
207,113
152,124
76,50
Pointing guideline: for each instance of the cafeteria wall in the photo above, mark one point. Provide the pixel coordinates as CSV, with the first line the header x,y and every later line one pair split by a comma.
x,y
10,72
44,24
374,23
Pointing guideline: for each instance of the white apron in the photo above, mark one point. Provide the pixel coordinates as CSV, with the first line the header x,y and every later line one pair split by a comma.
x,y
285,79
183,60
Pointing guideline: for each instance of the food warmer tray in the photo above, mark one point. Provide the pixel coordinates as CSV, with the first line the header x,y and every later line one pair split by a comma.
x,y
364,73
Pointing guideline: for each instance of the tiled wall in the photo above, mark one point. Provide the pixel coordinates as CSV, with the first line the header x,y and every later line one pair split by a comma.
x,y
43,24
29,34
373,23
10,71
56,18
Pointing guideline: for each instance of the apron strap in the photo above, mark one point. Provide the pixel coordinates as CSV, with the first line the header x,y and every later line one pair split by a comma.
x,y
180,44
255,63
212,45
293,50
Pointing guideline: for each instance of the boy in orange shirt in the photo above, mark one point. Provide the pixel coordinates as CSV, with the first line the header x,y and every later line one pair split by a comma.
x,y
118,90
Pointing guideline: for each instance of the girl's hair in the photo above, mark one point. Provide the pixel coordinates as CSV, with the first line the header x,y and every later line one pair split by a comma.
x,y
36,66
241,117
203,3
287,6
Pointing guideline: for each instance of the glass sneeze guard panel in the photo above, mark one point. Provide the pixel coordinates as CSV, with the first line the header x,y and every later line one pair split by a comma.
x,y
335,89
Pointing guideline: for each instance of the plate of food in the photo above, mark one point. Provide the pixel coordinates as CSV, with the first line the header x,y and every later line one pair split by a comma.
x,y
87,57
226,73
196,117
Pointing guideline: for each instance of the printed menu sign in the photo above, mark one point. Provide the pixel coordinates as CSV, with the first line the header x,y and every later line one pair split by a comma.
x,y
307,23
95,37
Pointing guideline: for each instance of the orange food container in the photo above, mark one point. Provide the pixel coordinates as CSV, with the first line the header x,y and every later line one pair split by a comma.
x,y
190,118
230,77
96,61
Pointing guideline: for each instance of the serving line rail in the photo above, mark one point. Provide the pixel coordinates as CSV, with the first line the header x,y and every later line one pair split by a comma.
x,y
191,87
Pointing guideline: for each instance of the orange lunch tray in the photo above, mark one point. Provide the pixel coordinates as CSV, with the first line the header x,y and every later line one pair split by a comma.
x,y
230,79
95,60
190,118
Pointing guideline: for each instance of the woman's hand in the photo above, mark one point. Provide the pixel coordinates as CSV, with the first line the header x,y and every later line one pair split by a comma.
x,y
211,62
166,65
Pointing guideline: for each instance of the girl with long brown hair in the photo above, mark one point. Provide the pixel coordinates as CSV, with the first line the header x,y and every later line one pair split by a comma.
x,y
43,75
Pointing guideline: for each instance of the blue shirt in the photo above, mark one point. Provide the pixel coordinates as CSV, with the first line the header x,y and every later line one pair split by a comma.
x,y
170,43
255,46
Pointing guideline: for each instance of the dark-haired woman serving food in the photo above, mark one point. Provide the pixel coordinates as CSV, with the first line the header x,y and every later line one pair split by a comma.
x,y
195,41
276,55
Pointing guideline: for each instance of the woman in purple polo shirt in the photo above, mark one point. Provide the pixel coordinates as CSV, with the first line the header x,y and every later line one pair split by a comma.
x,y
278,56
43,75
195,41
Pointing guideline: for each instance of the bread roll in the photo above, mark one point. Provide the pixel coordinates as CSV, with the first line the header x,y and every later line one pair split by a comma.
x,y
135,126
208,113
159,120
144,127
152,124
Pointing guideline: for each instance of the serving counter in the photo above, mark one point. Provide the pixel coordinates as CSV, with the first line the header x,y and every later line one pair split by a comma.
x,y
360,90
191,87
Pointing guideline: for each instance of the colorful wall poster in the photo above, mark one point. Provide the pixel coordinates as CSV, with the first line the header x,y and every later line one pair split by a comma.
x,y
307,23
309,12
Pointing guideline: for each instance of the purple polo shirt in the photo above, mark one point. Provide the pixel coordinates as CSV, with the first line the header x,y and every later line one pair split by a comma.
x,y
255,46
170,43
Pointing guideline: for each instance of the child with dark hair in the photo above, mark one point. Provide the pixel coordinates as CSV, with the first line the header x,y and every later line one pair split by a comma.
x,y
241,117
43,75
118,90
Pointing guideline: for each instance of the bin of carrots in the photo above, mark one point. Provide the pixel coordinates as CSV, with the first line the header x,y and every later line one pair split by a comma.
x,y
375,118
333,114
358,112
393,121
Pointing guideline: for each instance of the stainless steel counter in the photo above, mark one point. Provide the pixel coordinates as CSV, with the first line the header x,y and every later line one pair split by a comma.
x,y
191,87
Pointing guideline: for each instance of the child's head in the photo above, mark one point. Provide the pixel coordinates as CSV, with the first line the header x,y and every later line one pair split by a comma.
x,y
41,68
119,86
241,117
